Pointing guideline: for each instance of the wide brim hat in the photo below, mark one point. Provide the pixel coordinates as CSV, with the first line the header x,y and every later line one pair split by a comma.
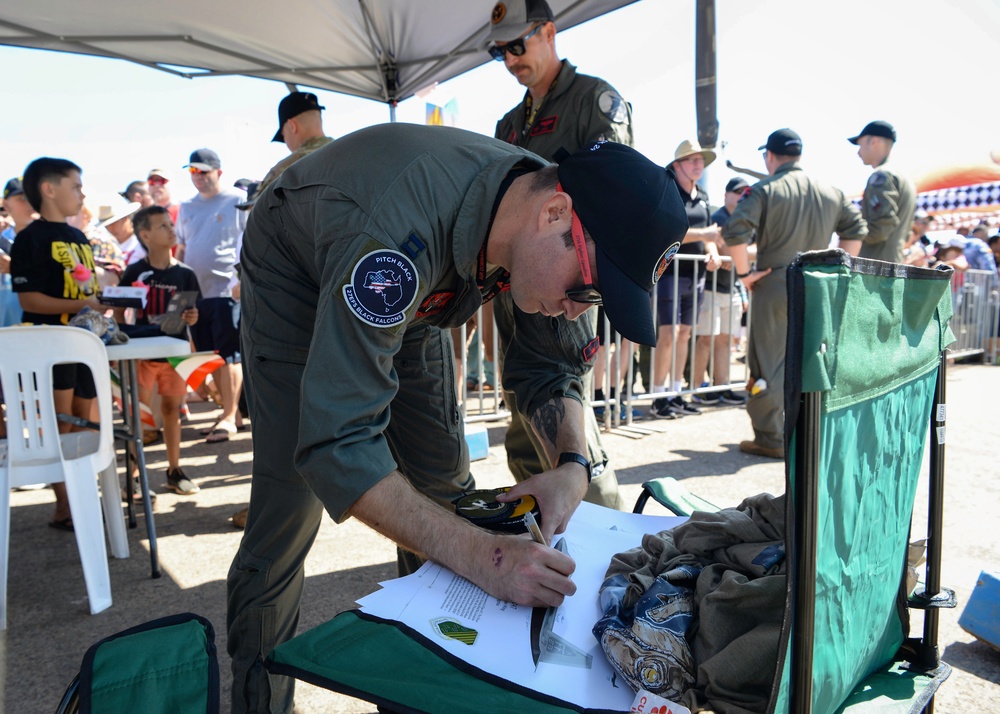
x,y
631,208
114,208
690,148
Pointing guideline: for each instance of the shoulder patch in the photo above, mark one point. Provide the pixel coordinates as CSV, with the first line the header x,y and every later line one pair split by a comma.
x,y
877,179
382,288
612,106
589,350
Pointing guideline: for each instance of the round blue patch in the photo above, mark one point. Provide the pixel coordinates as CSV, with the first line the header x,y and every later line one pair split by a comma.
x,y
382,288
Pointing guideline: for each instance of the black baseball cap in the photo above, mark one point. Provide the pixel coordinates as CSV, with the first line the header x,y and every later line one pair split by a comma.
x,y
251,186
875,128
512,18
293,105
13,188
203,160
632,210
736,185
784,142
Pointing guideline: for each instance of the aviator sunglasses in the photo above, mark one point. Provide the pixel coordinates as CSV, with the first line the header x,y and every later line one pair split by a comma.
x,y
515,47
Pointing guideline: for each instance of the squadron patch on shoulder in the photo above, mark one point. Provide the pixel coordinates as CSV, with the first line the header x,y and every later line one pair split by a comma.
x,y
383,286
612,105
877,179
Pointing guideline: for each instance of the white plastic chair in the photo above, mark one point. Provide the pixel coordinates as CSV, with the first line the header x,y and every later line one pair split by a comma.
x,y
35,452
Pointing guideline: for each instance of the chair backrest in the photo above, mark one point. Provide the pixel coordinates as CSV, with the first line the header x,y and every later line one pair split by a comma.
x,y
35,452
864,342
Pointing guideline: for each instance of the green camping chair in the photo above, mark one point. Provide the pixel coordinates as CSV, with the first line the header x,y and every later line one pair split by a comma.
x,y
164,666
864,377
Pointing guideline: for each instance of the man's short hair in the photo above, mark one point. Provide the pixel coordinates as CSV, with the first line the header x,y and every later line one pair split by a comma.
x,y
143,217
41,170
138,185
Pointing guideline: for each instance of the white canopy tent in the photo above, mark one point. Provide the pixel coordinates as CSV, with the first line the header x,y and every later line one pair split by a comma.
x,y
385,50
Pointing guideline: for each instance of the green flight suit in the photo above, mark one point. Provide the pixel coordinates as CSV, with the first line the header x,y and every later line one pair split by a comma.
x,y
790,213
308,146
887,206
351,261
578,109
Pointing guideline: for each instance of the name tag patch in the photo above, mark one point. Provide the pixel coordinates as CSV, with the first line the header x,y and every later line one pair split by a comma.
x,y
383,286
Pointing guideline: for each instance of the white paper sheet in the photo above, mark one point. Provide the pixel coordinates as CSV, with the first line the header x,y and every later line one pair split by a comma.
x,y
494,635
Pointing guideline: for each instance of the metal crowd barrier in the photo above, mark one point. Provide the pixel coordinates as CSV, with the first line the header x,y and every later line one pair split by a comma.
x,y
481,404
974,295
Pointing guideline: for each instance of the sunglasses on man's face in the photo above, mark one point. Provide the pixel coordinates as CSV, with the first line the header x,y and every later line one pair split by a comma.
x,y
193,171
157,182
515,47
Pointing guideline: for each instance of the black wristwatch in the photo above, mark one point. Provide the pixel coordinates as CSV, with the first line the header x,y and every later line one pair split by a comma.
x,y
571,457
743,275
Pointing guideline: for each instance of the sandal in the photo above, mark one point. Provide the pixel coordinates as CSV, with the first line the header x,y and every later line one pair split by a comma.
x,y
220,432
63,524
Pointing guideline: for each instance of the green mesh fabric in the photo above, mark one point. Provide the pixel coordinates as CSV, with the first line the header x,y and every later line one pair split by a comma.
x,y
870,342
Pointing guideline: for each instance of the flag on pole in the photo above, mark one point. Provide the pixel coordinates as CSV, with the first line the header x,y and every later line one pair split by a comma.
x,y
195,367
145,413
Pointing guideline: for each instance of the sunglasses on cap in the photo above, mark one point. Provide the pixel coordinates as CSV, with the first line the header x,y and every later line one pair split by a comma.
x,y
588,294
515,47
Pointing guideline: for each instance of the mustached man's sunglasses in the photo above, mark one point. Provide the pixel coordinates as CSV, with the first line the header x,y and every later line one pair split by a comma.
x,y
515,47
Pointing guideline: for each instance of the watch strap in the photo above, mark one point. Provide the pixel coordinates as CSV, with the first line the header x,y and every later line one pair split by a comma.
x,y
567,457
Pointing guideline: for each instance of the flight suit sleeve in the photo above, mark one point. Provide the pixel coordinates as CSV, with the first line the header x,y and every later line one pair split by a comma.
x,y
850,224
880,207
545,357
746,218
347,387
608,117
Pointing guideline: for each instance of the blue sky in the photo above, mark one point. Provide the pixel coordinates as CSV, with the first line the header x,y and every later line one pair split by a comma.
x,y
822,69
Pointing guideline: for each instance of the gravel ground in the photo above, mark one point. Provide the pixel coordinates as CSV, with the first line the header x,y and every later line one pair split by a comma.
x,y
49,627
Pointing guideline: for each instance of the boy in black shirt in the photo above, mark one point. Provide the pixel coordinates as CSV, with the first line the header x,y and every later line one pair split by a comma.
x,y
52,272
163,276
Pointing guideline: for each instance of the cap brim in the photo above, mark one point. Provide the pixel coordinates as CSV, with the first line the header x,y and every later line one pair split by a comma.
x,y
626,303
761,147
278,135
200,167
508,33
855,139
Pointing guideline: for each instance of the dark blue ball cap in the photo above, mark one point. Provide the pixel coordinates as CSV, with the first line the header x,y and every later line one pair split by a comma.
x,y
13,188
632,210
291,106
784,142
875,128
203,160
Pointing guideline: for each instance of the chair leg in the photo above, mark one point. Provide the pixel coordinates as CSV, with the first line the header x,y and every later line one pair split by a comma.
x,y
4,549
113,518
84,503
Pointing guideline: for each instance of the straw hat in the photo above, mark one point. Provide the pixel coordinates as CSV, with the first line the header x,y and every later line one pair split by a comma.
x,y
690,148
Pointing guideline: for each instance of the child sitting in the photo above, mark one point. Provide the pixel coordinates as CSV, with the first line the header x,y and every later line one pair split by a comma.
x,y
163,276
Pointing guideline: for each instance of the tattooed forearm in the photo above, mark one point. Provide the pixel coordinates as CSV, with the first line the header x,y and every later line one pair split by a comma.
x,y
548,418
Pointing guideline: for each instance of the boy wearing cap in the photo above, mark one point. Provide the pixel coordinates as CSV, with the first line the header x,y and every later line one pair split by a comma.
x,y
389,236
889,200
209,230
561,109
801,214
53,273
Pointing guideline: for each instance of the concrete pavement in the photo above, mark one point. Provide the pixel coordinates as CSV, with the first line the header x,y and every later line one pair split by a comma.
x,y
50,628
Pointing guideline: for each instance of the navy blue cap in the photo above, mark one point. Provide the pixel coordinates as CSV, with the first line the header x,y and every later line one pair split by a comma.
x,y
784,142
736,185
13,188
875,128
632,210
203,160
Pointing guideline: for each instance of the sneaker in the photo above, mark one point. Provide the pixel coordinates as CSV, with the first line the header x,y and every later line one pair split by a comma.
x,y
662,409
709,399
730,397
684,407
137,493
179,483
636,413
